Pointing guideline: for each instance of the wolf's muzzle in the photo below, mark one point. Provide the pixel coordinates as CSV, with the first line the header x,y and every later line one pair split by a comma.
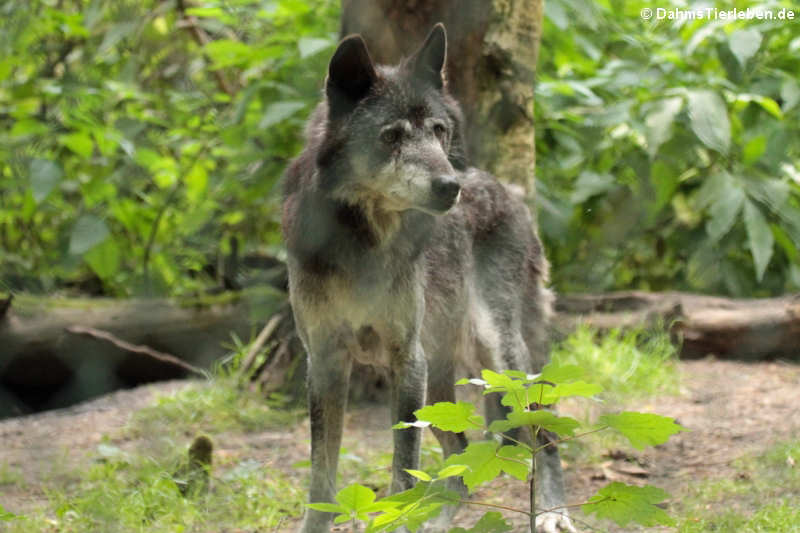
x,y
445,191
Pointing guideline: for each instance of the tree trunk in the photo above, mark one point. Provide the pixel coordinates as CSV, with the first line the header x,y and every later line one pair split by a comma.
x,y
491,67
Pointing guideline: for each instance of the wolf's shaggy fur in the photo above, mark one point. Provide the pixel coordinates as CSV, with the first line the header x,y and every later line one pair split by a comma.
x,y
402,256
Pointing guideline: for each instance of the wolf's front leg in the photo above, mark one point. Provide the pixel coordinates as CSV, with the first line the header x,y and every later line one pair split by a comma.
x,y
409,379
550,491
328,378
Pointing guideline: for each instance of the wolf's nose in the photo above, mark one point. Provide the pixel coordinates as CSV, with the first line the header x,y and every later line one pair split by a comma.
x,y
445,189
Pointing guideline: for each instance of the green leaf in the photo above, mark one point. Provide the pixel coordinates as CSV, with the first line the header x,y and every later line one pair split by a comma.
x,y
412,507
547,395
664,178
45,175
754,149
227,52
768,104
196,182
642,429
759,238
708,116
515,461
79,142
625,503
516,395
117,32
278,112
6,516
419,474
659,123
212,12
309,46
104,259
88,231
327,507
744,44
491,522
562,425
355,497
724,210
482,461
591,184
790,94
448,416
450,471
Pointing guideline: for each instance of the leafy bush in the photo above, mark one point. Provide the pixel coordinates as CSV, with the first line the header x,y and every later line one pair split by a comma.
x,y
483,461
136,139
669,151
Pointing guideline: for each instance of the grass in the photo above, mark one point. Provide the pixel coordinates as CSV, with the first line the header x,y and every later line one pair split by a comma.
x,y
135,490
628,364
763,496
137,493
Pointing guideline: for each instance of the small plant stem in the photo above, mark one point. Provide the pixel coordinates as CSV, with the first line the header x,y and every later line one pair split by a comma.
x,y
517,442
493,506
565,439
570,506
535,432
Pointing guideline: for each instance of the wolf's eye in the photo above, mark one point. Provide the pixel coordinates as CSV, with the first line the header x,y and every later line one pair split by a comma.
x,y
439,130
390,136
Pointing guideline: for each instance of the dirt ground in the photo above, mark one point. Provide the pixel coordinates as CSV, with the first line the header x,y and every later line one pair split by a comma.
x,y
732,408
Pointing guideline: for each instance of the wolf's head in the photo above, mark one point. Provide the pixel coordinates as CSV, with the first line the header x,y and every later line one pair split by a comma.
x,y
392,135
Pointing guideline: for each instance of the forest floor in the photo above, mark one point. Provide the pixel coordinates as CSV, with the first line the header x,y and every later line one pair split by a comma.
x,y
733,409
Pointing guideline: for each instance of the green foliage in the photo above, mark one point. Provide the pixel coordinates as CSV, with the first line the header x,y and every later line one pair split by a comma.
x,y
483,461
669,151
131,153
6,516
626,364
124,491
626,503
491,522
642,429
448,416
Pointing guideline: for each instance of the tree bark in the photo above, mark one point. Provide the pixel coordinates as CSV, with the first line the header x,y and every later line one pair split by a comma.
x,y
493,46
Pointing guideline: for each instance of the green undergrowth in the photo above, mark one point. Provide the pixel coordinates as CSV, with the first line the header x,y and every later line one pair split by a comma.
x,y
761,496
130,482
213,407
628,364
137,492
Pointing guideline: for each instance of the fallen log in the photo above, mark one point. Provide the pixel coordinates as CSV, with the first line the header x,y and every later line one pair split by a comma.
x,y
45,364
748,329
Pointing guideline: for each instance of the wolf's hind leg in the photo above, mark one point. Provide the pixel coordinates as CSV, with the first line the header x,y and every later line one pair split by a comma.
x,y
550,488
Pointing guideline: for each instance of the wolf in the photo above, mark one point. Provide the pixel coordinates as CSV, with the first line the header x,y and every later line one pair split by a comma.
x,y
401,255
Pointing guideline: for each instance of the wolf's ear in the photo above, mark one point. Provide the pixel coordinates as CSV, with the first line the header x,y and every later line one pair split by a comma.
x,y
429,62
351,75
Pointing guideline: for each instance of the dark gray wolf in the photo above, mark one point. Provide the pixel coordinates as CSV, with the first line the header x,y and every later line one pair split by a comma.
x,y
402,256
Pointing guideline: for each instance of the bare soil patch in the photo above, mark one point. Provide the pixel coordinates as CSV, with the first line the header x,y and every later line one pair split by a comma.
x,y
732,408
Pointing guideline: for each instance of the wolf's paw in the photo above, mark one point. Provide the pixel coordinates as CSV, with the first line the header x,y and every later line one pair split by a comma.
x,y
554,522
